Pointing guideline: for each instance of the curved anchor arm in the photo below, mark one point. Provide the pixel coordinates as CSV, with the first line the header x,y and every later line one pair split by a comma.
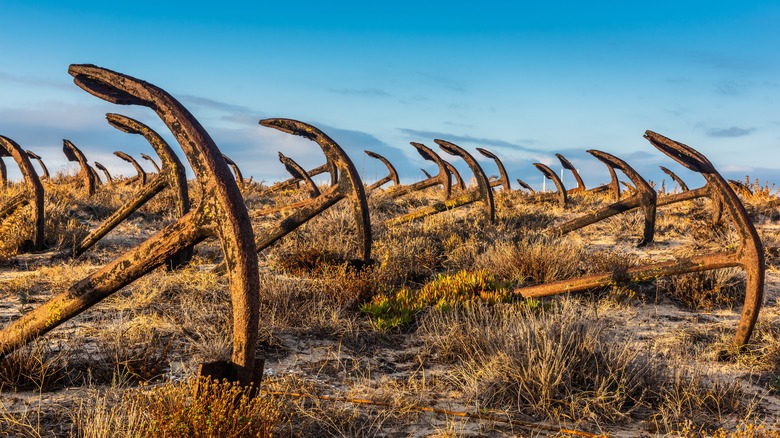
x,y
141,172
483,186
74,154
504,178
3,174
236,170
347,185
561,190
36,157
570,167
425,172
221,212
644,196
151,160
103,169
526,186
442,178
677,179
33,190
297,172
459,183
740,187
392,176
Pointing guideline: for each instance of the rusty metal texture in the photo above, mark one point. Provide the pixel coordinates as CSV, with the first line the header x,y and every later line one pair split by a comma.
x,y
526,186
643,197
503,179
172,174
221,212
327,167
298,172
740,187
570,167
561,195
103,169
348,186
140,172
425,172
749,255
677,179
33,192
36,157
459,183
87,177
391,176
708,190
3,174
443,178
236,171
151,160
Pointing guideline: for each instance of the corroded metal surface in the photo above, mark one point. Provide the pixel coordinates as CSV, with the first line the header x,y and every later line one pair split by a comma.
x,y
570,167
87,177
643,197
675,178
459,183
740,187
3,174
443,178
297,172
220,213
33,192
36,157
526,186
503,179
172,174
391,176
749,255
151,160
140,172
561,195
348,186
236,171
103,169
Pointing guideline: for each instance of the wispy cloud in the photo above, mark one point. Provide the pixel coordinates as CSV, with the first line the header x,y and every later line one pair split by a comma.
x,y
36,81
204,102
730,132
471,140
367,92
729,88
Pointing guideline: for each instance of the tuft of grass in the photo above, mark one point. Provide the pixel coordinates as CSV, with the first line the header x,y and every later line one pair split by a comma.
x,y
36,365
707,290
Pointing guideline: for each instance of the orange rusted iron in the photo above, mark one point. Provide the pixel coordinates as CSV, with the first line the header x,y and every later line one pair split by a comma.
x,y
749,255
140,172
297,172
570,167
677,179
86,175
740,187
442,178
3,174
327,167
391,176
36,157
172,174
561,195
103,169
503,179
458,183
151,160
221,213
708,190
425,172
482,192
526,186
643,197
32,194
348,186
236,171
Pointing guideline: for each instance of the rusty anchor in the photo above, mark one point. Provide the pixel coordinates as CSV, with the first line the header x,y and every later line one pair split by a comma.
x,y
3,174
749,255
560,194
328,167
676,179
86,173
740,187
708,190
297,171
643,197
33,192
151,160
503,179
442,178
103,169
140,172
236,171
221,213
348,185
526,186
172,174
391,176
36,157
570,167
458,183
483,192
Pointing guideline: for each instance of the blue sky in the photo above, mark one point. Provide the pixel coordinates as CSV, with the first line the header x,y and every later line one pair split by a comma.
x,y
523,79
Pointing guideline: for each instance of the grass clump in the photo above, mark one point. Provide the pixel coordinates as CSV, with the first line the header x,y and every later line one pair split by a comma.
x,y
444,292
